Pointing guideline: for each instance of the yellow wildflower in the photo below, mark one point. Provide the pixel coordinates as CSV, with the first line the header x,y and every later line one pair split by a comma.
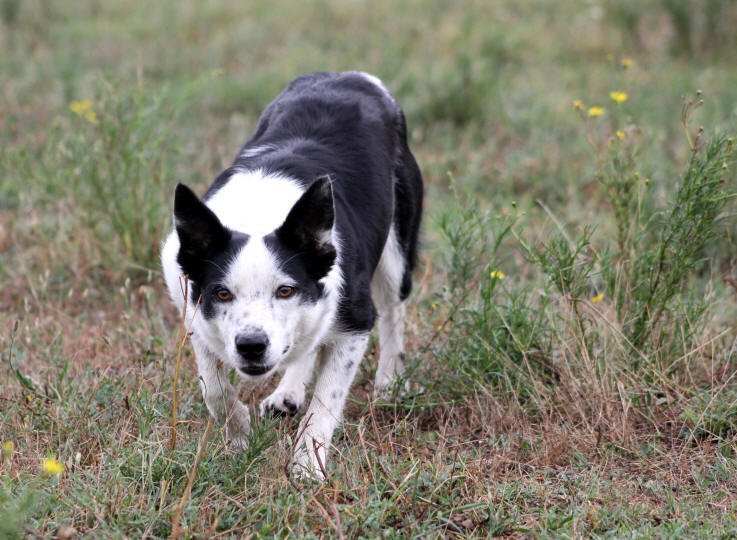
x,y
619,97
52,467
80,107
621,134
91,117
597,298
8,447
496,274
596,111
627,63
577,104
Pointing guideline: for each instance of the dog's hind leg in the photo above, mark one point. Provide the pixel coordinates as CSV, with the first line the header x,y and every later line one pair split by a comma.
x,y
289,395
220,396
392,280
391,341
385,290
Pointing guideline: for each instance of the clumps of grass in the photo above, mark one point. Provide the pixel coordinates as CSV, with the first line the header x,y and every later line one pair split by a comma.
x,y
475,336
681,233
539,416
109,161
18,502
608,337
466,90
16,507
694,28
711,414
9,10
122,161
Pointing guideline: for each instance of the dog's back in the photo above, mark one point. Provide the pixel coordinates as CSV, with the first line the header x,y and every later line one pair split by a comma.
x,y
346,126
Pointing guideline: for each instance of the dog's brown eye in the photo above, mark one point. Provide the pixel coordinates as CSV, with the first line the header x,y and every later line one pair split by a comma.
x,y
285,291
223,294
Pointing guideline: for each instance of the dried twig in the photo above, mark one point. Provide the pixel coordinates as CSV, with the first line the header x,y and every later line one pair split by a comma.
x,y
176,530
184,333
316,447
287,468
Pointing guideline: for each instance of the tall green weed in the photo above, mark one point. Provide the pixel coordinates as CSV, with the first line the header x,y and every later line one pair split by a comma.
x,y
110,162
609,319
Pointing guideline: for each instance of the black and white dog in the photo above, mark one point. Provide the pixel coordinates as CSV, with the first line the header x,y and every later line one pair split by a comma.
x,y
291,249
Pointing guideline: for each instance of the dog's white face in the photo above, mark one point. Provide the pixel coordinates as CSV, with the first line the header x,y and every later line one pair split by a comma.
x,y
256,312
262,299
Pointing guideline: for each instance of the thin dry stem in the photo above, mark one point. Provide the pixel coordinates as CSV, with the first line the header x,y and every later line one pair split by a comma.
x,y
176,530
184,333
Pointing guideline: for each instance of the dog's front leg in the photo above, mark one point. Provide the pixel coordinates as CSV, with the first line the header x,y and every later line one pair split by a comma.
x,y
220,396
339,365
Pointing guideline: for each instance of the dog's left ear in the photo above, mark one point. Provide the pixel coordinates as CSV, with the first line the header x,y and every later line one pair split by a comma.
x,y
309,225
201,235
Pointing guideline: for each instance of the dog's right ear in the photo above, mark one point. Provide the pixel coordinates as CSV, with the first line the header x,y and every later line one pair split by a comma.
x,y
308,227
200,232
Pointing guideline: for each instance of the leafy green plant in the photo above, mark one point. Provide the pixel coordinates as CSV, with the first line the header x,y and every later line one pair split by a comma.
x,y
489,332
682,232
112,161
123,166
16,508
711,414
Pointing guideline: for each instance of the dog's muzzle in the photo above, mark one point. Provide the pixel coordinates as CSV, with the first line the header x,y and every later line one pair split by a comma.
x,y
252,349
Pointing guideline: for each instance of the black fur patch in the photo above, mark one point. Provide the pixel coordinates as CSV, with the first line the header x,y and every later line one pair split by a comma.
x,y
298,245
206,248
305,267
210,274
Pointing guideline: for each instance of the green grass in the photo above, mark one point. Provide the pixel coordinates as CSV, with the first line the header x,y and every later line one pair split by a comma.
x,y
589,392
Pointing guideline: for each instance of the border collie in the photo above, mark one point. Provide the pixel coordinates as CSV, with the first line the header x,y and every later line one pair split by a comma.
x,y
296,249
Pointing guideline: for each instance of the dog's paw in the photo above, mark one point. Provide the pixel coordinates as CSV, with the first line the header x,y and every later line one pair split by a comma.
x,y
310,458
306,466
386,388
381,385
389,381
237,426
238,443
393,390
281,403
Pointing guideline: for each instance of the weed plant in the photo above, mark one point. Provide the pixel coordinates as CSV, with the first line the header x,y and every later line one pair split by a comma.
x,y
115,161
615,319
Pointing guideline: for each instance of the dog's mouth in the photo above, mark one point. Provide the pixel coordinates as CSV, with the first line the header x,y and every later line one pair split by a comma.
x,y
256,369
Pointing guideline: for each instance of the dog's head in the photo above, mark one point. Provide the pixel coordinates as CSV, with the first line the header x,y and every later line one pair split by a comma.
x,y
259,296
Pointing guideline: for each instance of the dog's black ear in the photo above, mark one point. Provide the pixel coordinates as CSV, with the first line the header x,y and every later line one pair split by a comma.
x,y
309,225
200,232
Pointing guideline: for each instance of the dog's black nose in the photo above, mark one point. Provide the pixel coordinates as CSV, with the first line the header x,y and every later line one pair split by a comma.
x,y
252,346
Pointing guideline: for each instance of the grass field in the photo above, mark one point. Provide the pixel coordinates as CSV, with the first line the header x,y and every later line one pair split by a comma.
x,y
572,332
